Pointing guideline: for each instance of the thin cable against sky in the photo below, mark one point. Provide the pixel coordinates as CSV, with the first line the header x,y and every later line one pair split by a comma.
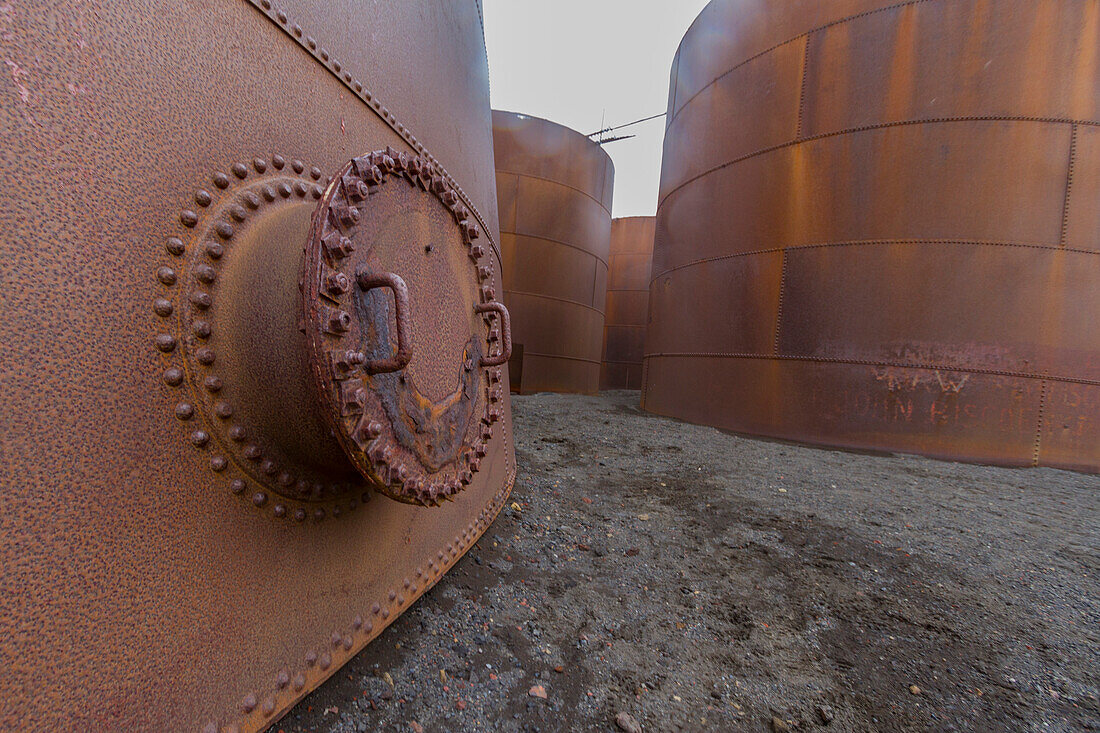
x,y
591,64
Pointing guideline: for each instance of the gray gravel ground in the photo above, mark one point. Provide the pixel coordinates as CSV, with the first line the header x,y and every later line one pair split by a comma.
x,y
698,580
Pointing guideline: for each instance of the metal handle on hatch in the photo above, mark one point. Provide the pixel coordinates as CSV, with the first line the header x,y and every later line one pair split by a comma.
x,y
506,332
400,360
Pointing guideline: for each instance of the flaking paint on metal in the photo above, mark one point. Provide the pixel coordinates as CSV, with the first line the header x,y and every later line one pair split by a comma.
x,y
155,577
871,229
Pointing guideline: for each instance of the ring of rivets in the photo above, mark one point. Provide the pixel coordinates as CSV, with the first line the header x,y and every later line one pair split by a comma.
x,y
370,443
187,339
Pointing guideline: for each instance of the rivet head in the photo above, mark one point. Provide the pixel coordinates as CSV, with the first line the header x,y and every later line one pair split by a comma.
x,y
166,275
318,514
284,190
268,706
201,300
278,161
315,173
259,498
357,623
282,679
224,229
203,197
218,463
212,383
385,613
268,193
205,356
279,510
238,213
221,180
259,164
248,704
240,170
173,376
184,411
316,192
299,515
214,250
251,200
311,658
237,486
325,661
299,682
162,307
201,329
189,218
174,245
298,166
391,595
237,433
206,273
200,438
166,342
375,608
223,409
269,467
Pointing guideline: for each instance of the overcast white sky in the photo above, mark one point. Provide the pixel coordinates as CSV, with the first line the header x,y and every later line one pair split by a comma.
x,y
580,62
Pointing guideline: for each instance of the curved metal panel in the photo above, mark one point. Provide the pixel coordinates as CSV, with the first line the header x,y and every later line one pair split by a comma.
x,y
878,228
554,195
627,302
184,544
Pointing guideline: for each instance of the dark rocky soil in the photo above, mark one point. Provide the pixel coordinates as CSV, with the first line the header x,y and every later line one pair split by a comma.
x,y
698,580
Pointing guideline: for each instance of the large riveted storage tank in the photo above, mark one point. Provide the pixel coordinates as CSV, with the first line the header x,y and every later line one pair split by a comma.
x,y
554,192
879,227
627,302
252,347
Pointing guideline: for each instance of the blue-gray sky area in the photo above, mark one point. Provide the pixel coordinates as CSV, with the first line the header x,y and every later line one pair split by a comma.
x,y
589,64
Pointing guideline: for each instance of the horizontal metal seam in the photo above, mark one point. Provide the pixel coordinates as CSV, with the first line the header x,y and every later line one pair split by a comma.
x,y
552,297
871,242
282,22
872,363
617,361
558,183
560,356
627,290
765,52
564,244
871,128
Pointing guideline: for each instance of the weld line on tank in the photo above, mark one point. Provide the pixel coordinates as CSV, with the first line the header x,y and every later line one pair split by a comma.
x,y
560,356
556,183
870,362
872,242
870,128
765,52
564,244
552,297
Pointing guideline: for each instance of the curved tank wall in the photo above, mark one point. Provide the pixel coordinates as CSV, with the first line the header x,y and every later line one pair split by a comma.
x,y
627,302
879,227
554,189
168,157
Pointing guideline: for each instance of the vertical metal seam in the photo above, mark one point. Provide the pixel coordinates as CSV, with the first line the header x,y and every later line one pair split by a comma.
x,y
1069,184
779,306
297,35
802,91
1039,426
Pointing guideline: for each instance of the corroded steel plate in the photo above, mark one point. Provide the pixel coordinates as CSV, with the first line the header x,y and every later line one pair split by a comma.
x,y
627,302
187,542
879,228
554,189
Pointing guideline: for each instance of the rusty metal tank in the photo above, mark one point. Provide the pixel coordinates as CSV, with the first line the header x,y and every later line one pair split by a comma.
x,y
554,190
627,302
879,228
254,389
